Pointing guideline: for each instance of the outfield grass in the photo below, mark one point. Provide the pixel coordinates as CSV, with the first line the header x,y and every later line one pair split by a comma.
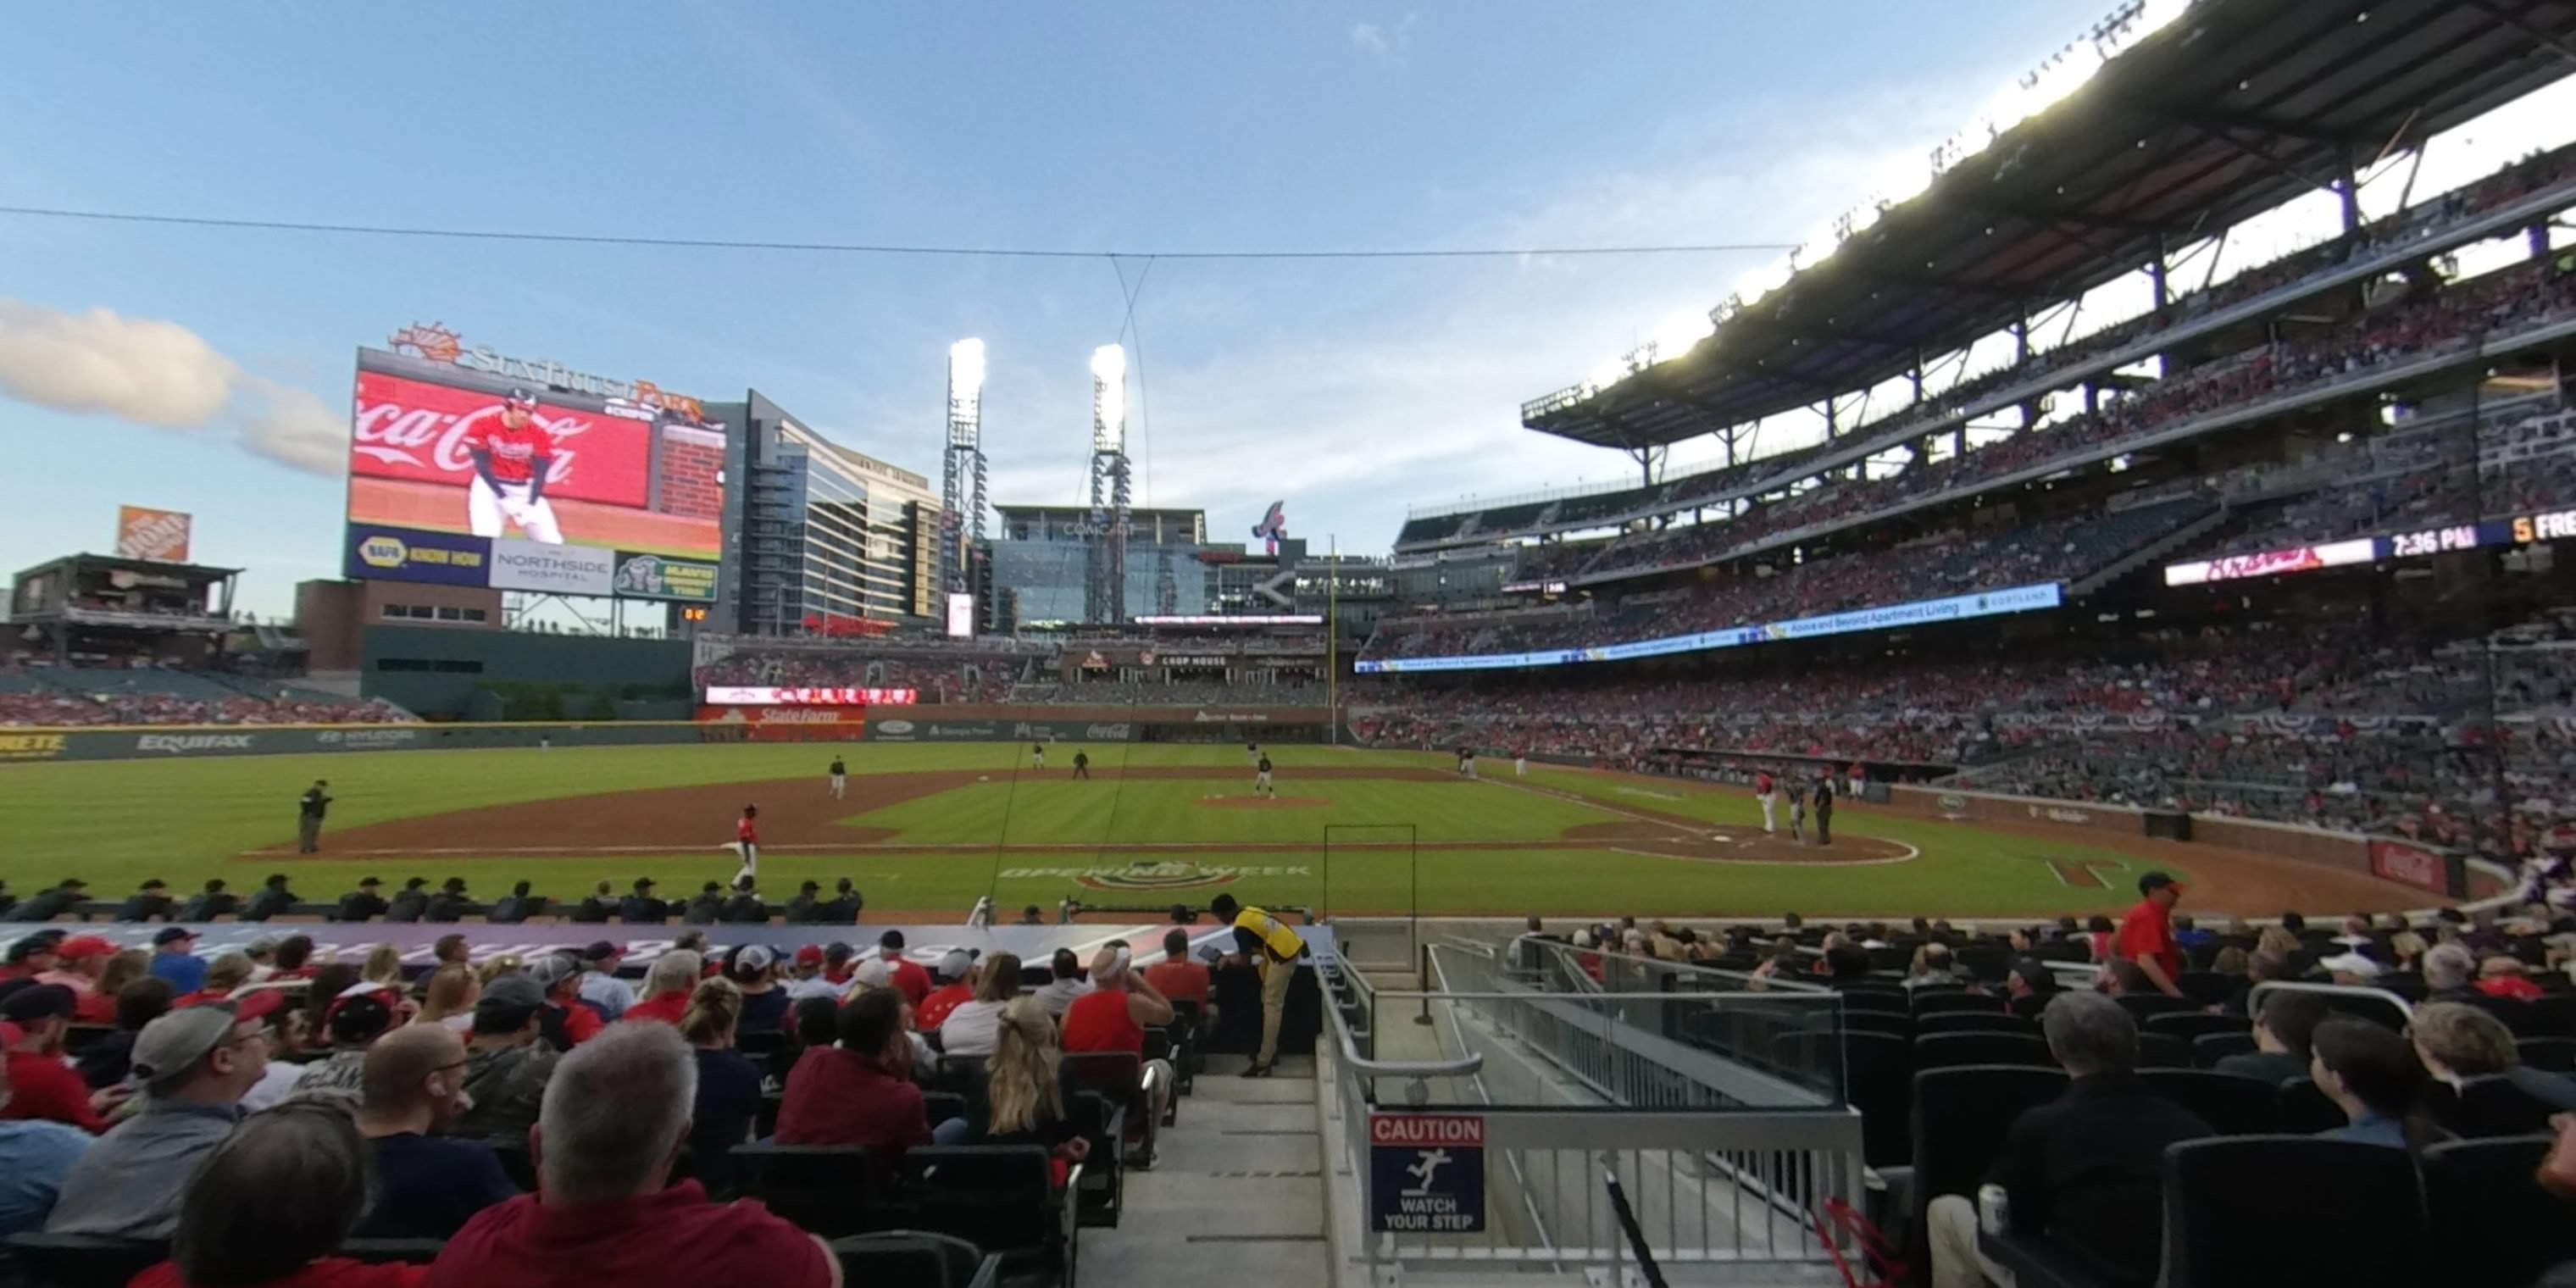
x,y
115,823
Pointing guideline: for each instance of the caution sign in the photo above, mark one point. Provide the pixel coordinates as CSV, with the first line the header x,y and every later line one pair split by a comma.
x,y
1427,1172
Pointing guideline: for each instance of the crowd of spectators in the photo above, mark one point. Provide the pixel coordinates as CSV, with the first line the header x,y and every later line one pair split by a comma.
x,y
1949,563
39,695
424,1125
981,678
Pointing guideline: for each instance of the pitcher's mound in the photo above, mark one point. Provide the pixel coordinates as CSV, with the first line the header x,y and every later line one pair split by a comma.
x,y
1262,802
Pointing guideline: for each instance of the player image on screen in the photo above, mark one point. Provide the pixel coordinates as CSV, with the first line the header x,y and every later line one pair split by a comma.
x,y
511,454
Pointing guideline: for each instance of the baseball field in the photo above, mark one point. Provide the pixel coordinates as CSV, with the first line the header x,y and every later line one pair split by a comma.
x,y
927,830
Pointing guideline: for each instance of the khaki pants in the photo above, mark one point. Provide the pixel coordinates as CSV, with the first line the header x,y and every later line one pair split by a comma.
x,y
1275,979
1956,1263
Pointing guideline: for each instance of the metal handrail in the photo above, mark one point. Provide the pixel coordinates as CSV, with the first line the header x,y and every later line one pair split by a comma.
x,y
2253,998
1417,1070
1766,983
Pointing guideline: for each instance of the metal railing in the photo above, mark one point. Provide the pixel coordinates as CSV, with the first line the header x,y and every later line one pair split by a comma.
x,y
1715,1102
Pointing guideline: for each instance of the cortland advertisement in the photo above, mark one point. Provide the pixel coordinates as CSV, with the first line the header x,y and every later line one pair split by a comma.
x,y
1920,612
642,576
447,441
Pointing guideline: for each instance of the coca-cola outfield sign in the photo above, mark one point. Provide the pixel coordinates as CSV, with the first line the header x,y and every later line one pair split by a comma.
x,y
2410,865
420,432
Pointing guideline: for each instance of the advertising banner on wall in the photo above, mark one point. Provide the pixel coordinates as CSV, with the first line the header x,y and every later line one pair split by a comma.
x,y
445,439
158,535
754,695
643,576
554,570
411,554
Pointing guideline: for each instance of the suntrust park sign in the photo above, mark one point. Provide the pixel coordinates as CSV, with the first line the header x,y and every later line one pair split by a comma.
x,y
438,344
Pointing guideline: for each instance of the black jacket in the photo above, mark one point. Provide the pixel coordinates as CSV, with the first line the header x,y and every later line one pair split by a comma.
x,y
705,910
746,910
804,910
269,903
207,907
358,905
47,906
594,911
511,909
146,907
2087,1171
642,908
408,906
445,908
843,911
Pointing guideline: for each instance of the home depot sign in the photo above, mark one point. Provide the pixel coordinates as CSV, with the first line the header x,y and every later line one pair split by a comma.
x,y
157,535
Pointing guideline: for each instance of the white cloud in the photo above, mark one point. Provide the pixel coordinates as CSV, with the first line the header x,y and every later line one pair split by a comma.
x,y
1387,44
146,371
294,428
99,363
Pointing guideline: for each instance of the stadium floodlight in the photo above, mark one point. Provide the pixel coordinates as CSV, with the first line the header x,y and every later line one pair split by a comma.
x,y
1109,399
966,394
1675,335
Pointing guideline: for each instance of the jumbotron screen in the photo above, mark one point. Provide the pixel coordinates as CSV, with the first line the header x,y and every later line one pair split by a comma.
x,y
463,472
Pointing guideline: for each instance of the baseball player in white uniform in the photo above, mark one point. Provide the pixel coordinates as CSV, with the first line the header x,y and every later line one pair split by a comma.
x,y
512,452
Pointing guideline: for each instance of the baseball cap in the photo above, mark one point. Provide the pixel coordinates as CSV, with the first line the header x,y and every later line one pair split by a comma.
x,y
890,939
551,970
643,883
2036,974
366,882
2346,963
360,1015
32,945
261,948
173,1043
42,1002
752,958
173,934
599,951
836,953
513,992
955,963
2154,881
519,398
79,947
810,955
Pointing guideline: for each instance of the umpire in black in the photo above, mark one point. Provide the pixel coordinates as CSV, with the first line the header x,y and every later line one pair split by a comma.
x,y
308,817
1825,808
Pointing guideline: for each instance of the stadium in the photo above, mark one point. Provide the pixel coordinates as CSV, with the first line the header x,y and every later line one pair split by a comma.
x,y
2069,734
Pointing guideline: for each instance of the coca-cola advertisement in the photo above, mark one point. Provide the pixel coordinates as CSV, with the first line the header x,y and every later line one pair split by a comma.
x,y
438,448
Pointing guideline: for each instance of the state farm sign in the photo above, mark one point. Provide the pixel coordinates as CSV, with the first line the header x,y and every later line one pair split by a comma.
x,y
415,430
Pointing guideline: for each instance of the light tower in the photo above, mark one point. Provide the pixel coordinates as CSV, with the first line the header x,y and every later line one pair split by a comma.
x,y
961,493
1105,589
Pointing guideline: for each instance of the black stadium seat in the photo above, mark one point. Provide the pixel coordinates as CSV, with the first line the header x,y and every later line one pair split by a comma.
x,y
2267,1211
2549,1055
381,1252
2210,1048
825,1189
1878,1080
2493,1107
2145,1006
915,1259
79,1261
2188,1025
2232,1106
1950,1050
1974,1022
2496,1225
1960,1117
2163,1051
1001,1198
2305,1109
1884,1023
1945,1003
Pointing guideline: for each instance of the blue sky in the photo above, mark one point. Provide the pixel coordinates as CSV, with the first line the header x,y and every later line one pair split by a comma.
x,y
209,370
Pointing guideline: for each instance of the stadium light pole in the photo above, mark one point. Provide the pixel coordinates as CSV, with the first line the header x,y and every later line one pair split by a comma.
x,y
1333,644
1106,592
962,479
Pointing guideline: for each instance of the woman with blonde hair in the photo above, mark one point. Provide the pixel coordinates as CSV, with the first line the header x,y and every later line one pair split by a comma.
x,y
2231,960
1026,1090
2276,939
728,1082
505,964
449,999
384,966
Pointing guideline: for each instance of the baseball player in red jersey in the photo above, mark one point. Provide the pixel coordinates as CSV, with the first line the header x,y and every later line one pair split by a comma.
x,y
1767,791
511,452
746,841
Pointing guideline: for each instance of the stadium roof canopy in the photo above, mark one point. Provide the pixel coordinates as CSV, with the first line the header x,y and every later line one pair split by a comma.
x,y
2232,109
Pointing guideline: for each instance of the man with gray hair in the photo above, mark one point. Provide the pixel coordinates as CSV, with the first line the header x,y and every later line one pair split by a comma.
x,y
2084,1173
2451,974
616,1116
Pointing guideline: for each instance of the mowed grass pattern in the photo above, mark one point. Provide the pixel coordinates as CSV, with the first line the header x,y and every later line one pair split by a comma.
x,y
116,823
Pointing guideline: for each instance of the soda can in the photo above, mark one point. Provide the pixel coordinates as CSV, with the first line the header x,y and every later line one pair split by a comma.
x,y
1994,1210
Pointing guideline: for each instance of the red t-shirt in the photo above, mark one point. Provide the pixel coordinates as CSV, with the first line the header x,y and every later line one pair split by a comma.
x,y
2513,987
581,1023
933,1010
1762,784
909,979
675,1237
1098,1022
2147,933
836,1097
747,831
1181,981
329,1272
95,1008
666,1008
514,451
44,1087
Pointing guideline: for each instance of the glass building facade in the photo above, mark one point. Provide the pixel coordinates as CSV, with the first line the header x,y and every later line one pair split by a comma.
x,y
1042,558
827,534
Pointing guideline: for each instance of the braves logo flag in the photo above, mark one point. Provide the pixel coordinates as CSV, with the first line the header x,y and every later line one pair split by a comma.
x,y
1273,526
